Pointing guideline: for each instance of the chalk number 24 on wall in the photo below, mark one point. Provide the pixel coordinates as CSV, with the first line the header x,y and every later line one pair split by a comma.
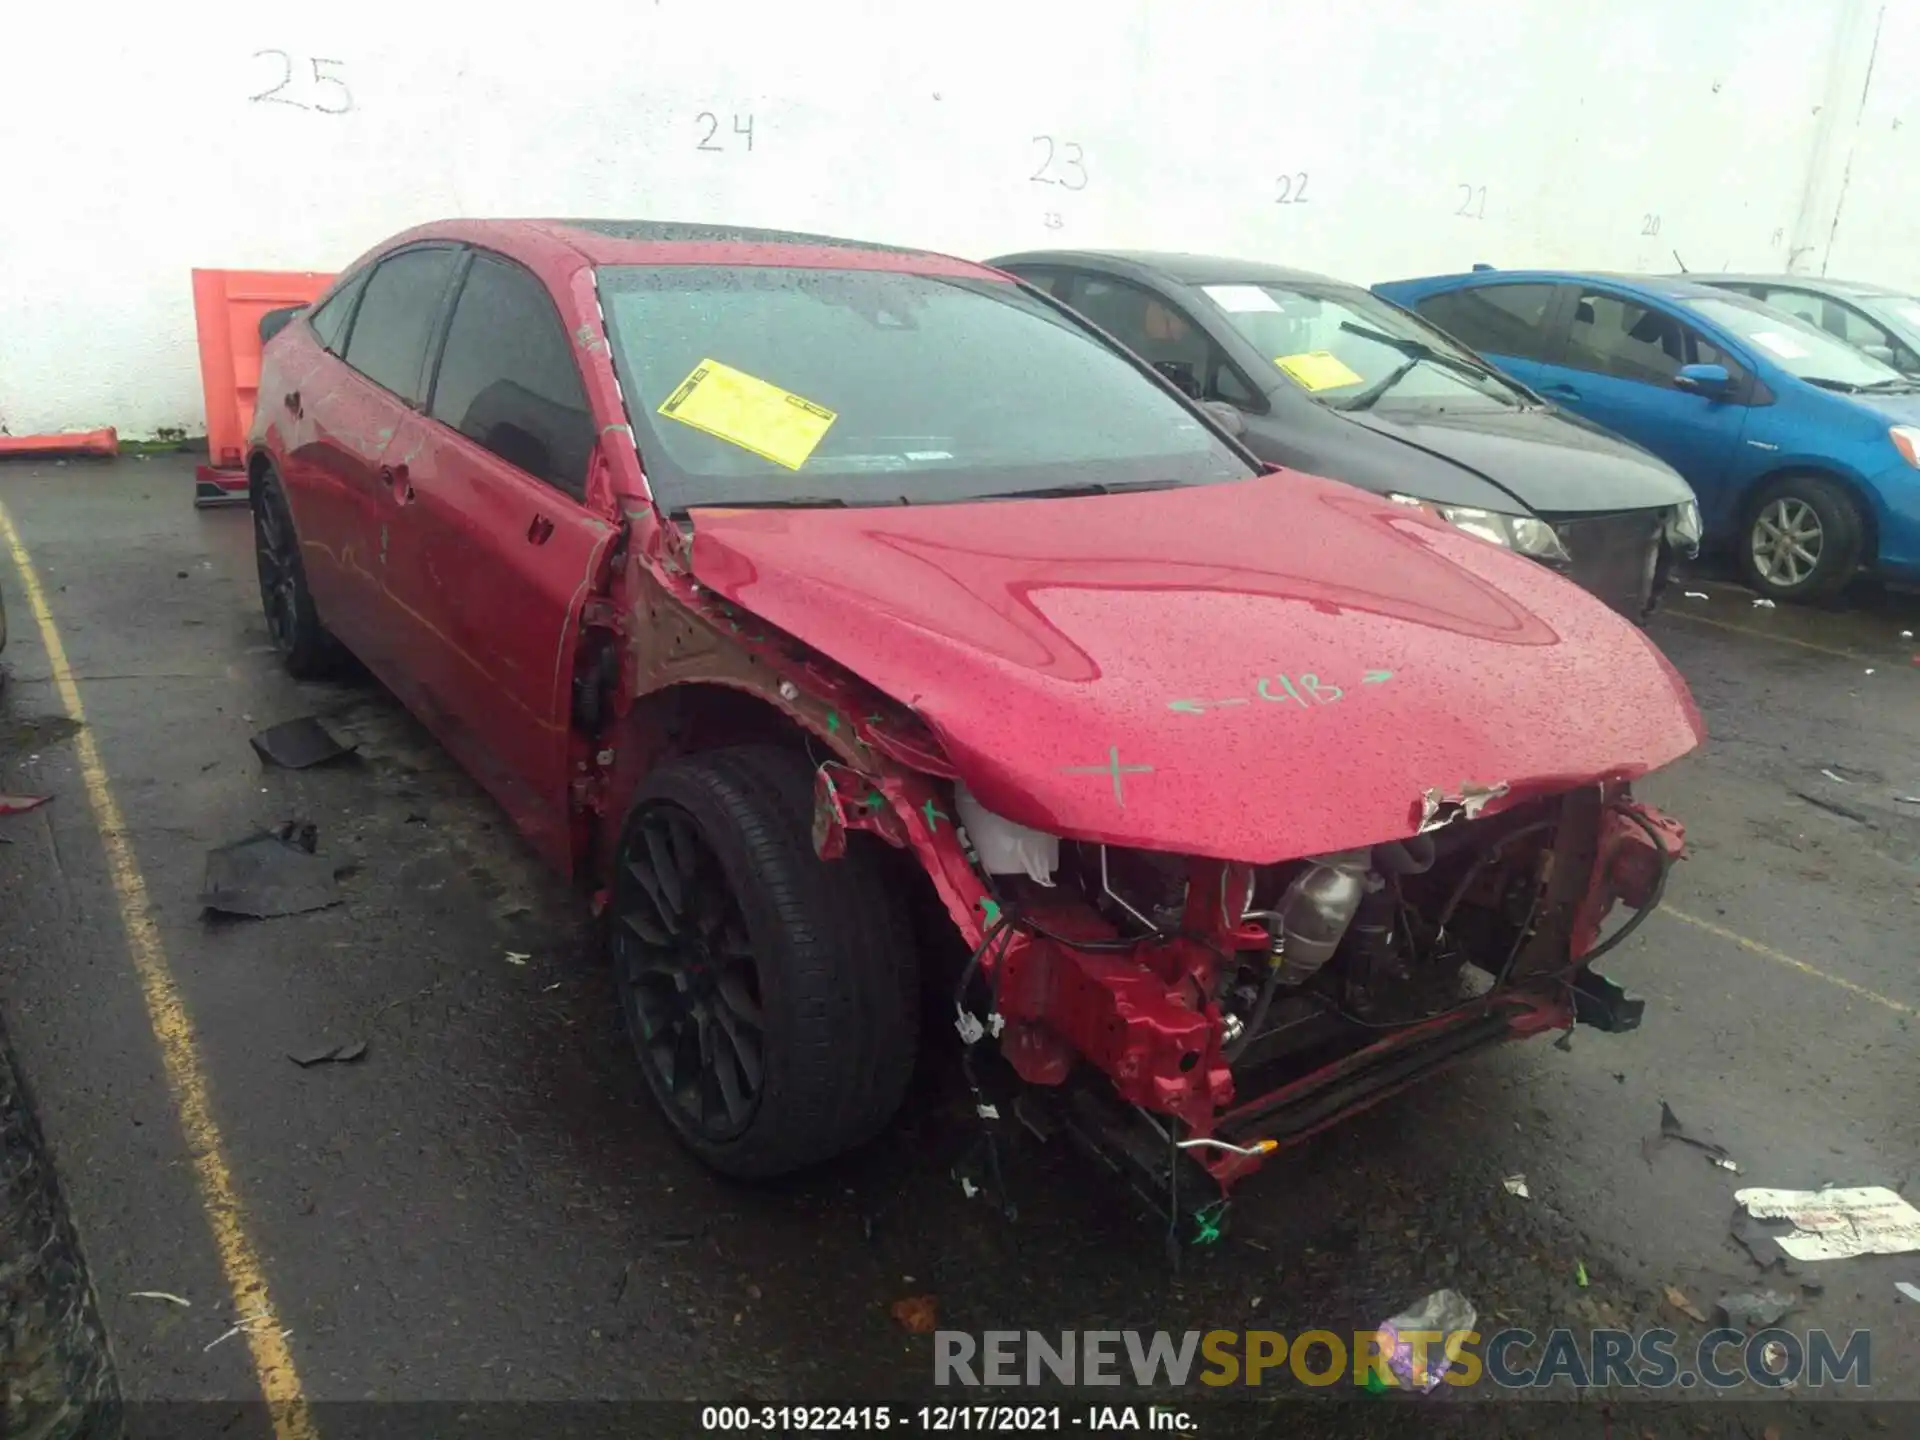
x,y
327,92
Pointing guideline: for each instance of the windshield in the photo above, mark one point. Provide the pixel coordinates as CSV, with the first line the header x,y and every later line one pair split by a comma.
x,y
764,385
1798,348
1342,344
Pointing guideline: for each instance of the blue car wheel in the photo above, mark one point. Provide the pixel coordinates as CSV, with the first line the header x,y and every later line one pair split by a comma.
x,y
1802,539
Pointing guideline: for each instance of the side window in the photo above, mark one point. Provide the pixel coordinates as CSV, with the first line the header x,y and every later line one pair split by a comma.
x,y
1797,303
388,343
507,379
1494,319
329,322
1612,335
1857,330
1043,277
1163,335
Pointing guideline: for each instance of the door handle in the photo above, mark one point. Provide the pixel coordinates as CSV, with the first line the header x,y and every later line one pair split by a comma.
x,y
394,477
540,530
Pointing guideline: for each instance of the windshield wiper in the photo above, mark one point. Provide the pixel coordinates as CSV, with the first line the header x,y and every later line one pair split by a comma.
x,y
1421,350
1892,385
778,502
1827,382
1085,487
1364,400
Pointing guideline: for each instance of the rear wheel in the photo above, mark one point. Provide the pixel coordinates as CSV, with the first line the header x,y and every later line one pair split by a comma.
x,y
771,996
1803,539
306,648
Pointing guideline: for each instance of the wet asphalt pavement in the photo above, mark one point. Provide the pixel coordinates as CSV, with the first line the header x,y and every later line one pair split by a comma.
x,y
486,1206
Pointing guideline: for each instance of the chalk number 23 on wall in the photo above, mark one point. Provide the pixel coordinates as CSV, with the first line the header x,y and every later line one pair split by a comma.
x,y
327,92
1065,164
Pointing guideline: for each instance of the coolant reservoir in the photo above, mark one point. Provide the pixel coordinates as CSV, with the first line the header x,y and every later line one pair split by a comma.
x,y
1004,847
1317,908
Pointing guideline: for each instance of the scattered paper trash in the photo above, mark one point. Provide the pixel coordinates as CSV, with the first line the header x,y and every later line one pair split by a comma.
x,y
1517,1185
345,1053
298,744
1907,799
1906,634
1837,779
1445,1311
1869,669
267,875
20,804
1677,1298
1763,604
167,1296
916,1314
1580,1273
1835,1223
1912,1292
519,957
1755,1309
1698,595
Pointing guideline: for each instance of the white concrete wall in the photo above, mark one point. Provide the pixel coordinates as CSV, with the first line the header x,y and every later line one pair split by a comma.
x,y
1403,139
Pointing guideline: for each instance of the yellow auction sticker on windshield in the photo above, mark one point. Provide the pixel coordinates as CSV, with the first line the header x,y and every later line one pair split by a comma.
x,y
734,406
1319,370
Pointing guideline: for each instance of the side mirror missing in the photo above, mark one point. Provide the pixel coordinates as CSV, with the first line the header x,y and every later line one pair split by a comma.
x,y
274,321
1711,381
1231,420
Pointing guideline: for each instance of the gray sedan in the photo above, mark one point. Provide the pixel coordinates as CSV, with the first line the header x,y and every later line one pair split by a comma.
x,y
1876,319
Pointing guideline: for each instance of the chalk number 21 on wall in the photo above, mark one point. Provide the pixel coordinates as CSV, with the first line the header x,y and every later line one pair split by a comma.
x,y
326,91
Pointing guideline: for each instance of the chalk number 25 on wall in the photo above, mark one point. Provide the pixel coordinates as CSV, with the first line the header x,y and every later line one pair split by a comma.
x,y
327,92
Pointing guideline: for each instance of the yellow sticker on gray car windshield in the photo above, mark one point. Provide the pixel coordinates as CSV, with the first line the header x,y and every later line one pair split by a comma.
x,y
734,406
1319,370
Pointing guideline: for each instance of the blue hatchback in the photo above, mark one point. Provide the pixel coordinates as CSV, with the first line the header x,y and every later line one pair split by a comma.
x,y
1804,452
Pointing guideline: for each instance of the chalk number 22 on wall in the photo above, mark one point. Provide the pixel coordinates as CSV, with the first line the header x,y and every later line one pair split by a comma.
x,y
326,92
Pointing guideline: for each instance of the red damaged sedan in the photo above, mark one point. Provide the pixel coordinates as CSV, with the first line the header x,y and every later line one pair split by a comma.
x,y
772,582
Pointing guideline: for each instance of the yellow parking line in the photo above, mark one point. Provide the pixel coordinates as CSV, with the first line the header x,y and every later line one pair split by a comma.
x,y
173,1029
1781,957
1780,639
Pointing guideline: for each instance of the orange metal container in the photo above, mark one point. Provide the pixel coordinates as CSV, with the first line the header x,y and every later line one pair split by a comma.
x,y
227,306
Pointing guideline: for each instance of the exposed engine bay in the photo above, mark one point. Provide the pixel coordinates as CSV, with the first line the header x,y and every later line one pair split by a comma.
x,y
1236,1009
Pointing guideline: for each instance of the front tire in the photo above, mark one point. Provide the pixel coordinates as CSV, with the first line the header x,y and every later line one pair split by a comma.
x,y
306,648
771,996
1803,539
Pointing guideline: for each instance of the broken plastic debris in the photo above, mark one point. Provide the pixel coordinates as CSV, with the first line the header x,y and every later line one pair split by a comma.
x,y
167,1296
1698,595
1438,808
1755,1309
1517,1185
1445,1311
298,744
519,957
1834,1223
1677,1298
267,875
1672,1129
968,1188
916,1314
345,1053
1763,604
1837,779
969,1027
20,804
1580,1273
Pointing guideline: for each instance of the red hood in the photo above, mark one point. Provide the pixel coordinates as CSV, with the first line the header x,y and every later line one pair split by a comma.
x,y
1277,667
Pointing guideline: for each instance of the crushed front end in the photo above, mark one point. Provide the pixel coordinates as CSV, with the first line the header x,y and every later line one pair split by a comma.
x,y
1185,1018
